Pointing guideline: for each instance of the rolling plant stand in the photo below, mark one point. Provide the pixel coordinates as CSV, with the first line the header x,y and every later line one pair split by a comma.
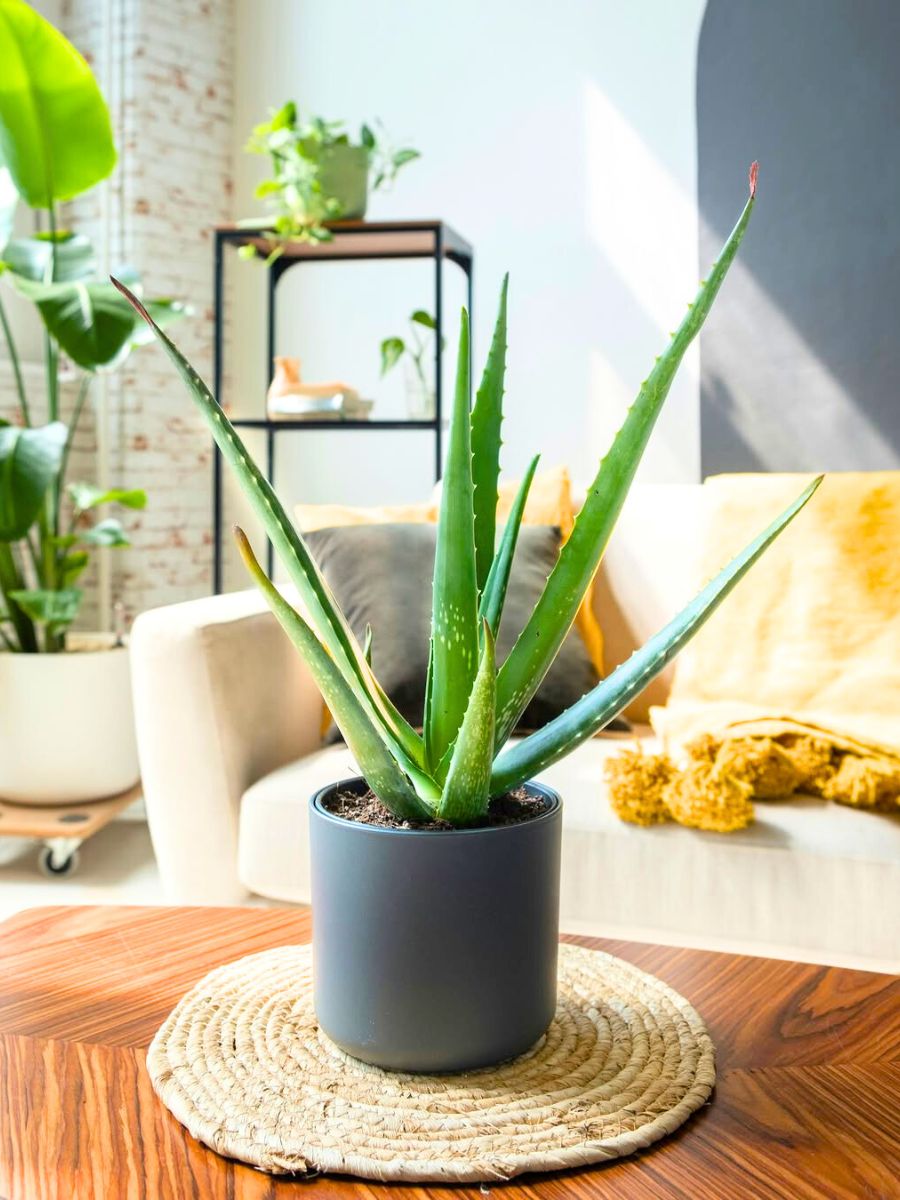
x,y
62,828
352,241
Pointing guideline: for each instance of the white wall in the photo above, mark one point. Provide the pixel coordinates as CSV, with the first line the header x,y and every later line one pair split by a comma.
x,y
560,140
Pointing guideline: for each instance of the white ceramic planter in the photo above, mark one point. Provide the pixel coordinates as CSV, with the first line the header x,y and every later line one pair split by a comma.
x,y
66,724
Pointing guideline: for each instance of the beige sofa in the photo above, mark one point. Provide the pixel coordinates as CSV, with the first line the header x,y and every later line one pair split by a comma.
x,y
228,732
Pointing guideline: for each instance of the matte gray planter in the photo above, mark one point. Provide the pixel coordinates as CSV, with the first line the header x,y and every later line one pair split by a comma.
x,y
434,950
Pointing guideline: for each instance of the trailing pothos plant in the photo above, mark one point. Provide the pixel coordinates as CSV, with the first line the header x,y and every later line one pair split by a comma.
x,y
56,142
303,153
460,760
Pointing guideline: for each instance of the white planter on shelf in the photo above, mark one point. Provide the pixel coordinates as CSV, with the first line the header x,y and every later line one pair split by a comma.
x,y
66,724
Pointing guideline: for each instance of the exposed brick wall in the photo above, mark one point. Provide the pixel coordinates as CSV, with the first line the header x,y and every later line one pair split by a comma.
x,y
166,68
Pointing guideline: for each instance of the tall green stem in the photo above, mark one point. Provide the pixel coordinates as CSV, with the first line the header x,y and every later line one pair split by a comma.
x,y
16,366
49,519
52,350
11,581
77,408
53,554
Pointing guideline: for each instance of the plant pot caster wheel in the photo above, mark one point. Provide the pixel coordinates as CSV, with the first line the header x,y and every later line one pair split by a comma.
x,y
59,858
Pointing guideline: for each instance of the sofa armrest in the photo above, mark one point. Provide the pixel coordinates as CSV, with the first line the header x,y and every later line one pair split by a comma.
x,y
221,699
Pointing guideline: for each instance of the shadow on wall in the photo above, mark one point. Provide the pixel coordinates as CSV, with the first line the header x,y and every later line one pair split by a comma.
x,y
800,369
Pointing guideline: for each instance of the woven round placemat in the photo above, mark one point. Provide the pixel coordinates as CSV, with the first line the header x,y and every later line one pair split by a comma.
x,y
241,1062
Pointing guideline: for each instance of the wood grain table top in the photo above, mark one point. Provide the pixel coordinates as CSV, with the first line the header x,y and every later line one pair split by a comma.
x,y
807,1105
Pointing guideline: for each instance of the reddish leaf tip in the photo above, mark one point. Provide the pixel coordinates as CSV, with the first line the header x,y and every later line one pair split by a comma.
x,y
132,299
754,172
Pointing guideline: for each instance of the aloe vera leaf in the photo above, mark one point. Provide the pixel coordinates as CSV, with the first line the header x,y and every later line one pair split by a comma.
x,y
467,787
454,618
363,738
487,417
494,594
594,710
426,714
537,645
423,780
367,645
302,569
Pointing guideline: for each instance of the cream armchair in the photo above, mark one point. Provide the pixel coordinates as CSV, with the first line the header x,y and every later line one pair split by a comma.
x,y
223,700
228,723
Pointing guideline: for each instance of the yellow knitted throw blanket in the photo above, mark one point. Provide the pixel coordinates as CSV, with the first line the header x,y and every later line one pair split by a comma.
x,y
794,684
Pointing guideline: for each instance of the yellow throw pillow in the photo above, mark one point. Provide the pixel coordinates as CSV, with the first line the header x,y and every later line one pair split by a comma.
x,y
336,516
550,503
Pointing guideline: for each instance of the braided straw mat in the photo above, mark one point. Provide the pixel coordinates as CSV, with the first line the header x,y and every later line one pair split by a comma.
x,y
243,1065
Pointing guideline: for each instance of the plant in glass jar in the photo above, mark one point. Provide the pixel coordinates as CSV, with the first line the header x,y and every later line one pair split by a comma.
x,y
416,352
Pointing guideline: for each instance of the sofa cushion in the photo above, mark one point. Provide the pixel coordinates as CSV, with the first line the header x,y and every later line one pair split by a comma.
x,y
807,879
381,577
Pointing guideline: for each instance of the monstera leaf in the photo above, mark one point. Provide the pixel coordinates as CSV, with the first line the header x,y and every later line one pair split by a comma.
x,y
55,133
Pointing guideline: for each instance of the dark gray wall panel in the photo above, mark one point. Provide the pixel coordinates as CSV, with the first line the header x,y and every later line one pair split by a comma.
x,y
800,362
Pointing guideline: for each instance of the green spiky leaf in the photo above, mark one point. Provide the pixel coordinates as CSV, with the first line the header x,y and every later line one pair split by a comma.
x,y
367,645
362,736
466,791
546,629
329,622
454,620
494,594
487,417
588,715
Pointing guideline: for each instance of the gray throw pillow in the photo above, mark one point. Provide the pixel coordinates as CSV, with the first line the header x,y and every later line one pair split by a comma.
x,y
381,576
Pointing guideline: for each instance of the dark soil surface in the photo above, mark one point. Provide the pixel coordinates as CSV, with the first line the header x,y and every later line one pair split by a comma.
x,y
366,809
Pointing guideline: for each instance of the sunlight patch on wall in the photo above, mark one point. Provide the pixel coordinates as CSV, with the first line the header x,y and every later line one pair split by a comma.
x,y
644,227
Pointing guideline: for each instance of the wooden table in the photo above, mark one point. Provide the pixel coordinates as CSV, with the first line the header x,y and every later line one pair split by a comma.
x,y
807,1105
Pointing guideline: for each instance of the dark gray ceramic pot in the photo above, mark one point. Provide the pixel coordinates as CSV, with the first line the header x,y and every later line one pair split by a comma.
x,y
434,950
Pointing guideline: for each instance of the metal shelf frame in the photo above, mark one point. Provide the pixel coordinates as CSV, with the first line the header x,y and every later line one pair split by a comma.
x,y
352,241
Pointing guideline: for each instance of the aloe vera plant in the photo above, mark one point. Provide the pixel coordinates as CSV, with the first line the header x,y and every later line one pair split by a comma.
x,y
460,760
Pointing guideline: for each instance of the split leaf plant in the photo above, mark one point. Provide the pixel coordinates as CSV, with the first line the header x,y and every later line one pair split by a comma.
x,y
461,759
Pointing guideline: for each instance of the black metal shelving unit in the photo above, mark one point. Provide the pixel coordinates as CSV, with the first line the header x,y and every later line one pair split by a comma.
x,y
352,241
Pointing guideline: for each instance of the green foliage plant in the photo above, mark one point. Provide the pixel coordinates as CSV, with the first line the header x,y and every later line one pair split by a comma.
x,y
301,150
416,348
460,760
56,142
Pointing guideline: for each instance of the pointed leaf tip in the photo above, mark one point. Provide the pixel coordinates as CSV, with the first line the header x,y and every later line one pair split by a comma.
x,y
754,173
132,299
